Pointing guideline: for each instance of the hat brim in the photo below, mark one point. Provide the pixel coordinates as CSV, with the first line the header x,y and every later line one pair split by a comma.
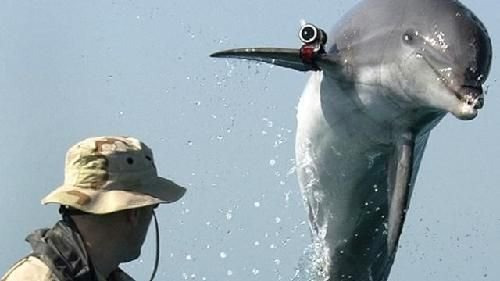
x,y
157,190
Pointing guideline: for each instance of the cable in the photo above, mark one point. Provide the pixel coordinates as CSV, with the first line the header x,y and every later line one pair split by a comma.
x,y
157,256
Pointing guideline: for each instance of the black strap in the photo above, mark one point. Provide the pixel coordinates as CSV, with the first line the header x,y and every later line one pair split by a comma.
x,y
157,256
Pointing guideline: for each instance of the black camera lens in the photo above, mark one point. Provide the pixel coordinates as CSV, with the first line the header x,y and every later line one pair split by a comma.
x,y
308,33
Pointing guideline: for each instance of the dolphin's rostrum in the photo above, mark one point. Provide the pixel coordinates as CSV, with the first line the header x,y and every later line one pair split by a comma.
x,y
390,72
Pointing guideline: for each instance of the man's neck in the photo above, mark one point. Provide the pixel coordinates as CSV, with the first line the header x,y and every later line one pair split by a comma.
x,y
103,262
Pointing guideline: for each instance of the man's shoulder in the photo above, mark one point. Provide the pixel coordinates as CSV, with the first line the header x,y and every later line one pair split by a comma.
x,y
29,268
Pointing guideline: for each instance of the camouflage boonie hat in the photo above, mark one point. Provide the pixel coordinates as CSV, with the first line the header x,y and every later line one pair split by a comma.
x,y
109,174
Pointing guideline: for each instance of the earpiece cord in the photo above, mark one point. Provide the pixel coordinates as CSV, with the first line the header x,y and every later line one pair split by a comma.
x,y
157,256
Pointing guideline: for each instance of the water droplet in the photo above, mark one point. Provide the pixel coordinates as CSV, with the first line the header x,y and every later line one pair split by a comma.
x,y
277,219
256,243
189,257
272,162
287,195
223,255
229,272
255,271
256,204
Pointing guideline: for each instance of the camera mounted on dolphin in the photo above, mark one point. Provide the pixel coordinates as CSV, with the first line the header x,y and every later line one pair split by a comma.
x,y
313,40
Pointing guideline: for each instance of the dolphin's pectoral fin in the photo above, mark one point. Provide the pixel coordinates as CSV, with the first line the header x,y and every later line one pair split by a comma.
x,y
285,57
311,56
400,181
297,59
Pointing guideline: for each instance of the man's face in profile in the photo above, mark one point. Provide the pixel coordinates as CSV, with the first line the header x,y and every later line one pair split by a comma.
x,y
138,225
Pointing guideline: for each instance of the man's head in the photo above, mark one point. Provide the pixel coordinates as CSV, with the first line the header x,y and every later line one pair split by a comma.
x,y
110,189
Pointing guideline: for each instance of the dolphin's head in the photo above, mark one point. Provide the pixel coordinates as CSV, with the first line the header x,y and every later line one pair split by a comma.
x,y
436,52
448,53
455,45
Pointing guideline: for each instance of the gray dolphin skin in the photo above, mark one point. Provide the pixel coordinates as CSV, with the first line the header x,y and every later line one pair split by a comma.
x,y
390,71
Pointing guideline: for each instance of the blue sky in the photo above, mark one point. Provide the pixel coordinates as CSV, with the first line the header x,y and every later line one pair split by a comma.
x,y
73,69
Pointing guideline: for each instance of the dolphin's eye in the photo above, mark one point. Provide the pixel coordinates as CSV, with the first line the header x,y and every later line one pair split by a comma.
x,y
413,38
408,37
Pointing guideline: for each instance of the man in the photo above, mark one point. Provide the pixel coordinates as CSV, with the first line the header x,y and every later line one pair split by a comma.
x,y
110,190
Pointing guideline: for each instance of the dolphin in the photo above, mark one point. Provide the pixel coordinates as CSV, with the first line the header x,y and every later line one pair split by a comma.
x,y
387,74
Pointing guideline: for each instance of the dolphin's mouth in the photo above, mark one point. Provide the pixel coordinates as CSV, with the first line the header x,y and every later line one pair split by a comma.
x,y
471,96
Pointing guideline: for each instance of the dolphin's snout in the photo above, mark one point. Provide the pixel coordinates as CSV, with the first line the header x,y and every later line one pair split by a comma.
x,y
473,96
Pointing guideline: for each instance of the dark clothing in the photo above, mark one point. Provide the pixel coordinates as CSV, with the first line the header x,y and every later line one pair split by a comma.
x,y
62,250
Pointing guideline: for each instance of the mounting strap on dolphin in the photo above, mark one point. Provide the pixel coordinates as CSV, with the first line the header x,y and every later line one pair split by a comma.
x,y
391,72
